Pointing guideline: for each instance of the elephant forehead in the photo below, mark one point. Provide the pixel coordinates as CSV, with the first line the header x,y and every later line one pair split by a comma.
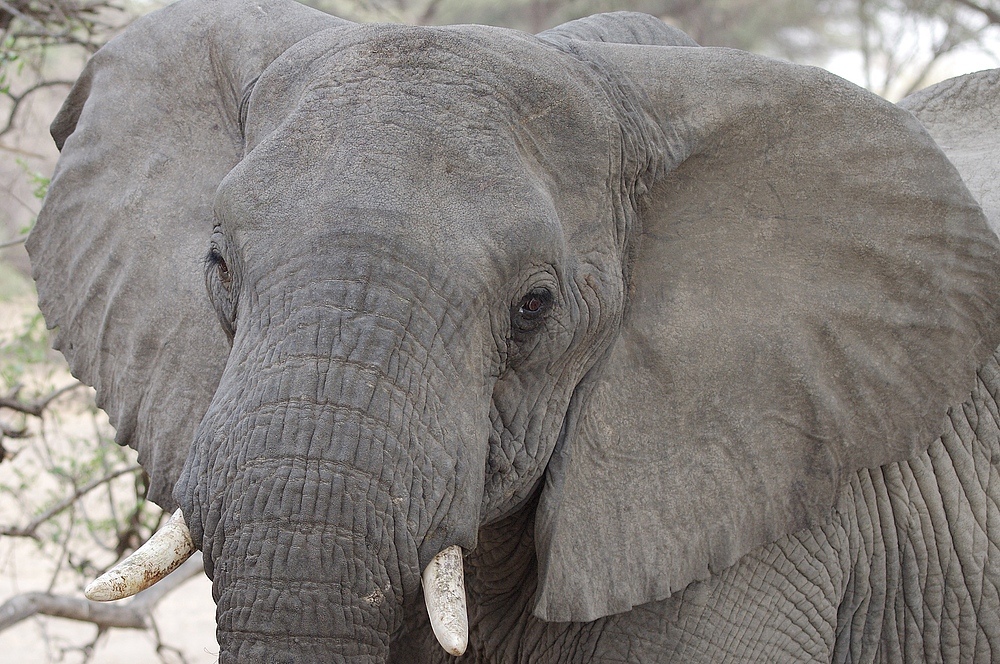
x,y
469,91
415,189
482,219
455,65
468,130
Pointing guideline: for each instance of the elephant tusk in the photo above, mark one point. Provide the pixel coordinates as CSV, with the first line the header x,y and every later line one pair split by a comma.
x,y
164,552
444,594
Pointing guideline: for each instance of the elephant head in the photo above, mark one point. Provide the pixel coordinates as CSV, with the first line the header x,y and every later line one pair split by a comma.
x,y
960,114
669,294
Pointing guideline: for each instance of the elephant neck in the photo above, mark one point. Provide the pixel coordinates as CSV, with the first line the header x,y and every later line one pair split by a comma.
x,y
501,574
501,580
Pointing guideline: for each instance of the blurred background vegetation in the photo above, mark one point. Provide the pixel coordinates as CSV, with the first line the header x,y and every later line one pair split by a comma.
x,y
893,46
77,501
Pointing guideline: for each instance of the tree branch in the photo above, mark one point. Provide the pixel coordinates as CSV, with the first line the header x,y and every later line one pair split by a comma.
x,y
134,614
14,11
38,406
947,43
30,529
16,100
7,431
21,151
14,242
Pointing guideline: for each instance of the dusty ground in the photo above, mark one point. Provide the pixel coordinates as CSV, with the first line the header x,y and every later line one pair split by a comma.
x,y
185,619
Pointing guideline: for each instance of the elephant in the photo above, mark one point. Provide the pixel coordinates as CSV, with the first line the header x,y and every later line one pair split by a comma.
x,y
605,346
960,115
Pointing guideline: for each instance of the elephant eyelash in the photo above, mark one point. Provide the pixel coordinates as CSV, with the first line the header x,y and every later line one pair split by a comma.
x,y
212,257
223,299
215,261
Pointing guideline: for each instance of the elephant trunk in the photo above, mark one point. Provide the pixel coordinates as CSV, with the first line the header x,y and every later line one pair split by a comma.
x,y
297,587
336,460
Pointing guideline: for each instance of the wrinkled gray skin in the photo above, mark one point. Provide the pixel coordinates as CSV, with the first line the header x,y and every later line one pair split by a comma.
x,y
664,337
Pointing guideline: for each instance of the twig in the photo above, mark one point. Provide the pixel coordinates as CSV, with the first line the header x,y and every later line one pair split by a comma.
x,y
17,99
38,406
132,615
15,241
63,555
29,530
163,648
21,151
19,14
7,431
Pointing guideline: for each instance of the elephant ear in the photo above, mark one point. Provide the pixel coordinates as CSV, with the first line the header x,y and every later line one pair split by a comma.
x,y
809,287
147,133
961,115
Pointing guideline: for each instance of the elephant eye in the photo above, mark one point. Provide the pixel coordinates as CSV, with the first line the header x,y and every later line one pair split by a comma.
x,y
531,305
224,274
219,282
221,268
529,313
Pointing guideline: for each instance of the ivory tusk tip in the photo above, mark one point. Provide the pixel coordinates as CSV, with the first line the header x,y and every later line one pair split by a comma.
x,y
453,644
103,589
162,554
444,593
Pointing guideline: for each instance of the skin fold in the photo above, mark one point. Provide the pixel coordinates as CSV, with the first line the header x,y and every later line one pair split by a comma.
x,y
678,345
